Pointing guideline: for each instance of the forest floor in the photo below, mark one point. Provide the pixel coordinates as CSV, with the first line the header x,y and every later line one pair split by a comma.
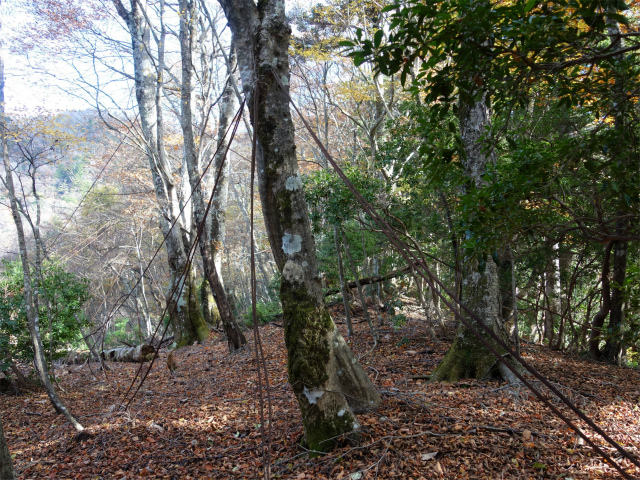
x,y
203,422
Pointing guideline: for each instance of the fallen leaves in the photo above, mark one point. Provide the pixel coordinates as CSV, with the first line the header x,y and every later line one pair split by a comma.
x,y
429,456
204,424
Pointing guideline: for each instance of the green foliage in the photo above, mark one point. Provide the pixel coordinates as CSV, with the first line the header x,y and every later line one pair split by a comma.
x,y
465,47
331,202
265,311
66,293
123,330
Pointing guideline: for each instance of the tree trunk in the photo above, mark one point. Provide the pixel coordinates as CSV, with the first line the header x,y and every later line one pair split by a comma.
x,y
504,274
467,356
614,347
217,220
326,378
6,462
30,298
343,289
605,306
137,354
186,318
552,294
208,303
235,337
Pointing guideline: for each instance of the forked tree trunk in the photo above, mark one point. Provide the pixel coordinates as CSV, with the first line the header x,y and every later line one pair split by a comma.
x,y
325,376
184,310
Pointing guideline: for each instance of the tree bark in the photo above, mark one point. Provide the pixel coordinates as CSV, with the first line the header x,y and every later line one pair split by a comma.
x,y
605,306
184,311
326,378
467,356
235,337
208,303
6,462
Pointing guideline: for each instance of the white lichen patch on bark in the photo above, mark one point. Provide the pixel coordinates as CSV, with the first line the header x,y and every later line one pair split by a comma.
x,y
291,244
293,272
313,395
293,183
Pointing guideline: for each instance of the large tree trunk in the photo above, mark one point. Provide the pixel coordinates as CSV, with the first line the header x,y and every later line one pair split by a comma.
x,y
468,357
186,318
326,378
235,337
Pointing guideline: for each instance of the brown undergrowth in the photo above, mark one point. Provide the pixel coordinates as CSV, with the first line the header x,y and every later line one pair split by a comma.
x,y
203,422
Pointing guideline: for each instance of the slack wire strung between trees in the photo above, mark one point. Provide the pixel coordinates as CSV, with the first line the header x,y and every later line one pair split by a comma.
x,y
421,267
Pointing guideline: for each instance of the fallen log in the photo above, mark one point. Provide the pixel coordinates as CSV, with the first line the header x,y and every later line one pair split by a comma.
x,y
370,280
78,358
138,354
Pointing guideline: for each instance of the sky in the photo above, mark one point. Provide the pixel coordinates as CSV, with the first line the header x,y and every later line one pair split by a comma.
x,y
42,79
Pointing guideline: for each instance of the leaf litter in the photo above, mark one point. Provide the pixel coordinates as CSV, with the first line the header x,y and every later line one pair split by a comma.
x,y
203,422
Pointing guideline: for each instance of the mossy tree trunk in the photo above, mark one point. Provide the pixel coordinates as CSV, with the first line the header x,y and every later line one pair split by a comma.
x,y
325,376
186,318
468,357
208,303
